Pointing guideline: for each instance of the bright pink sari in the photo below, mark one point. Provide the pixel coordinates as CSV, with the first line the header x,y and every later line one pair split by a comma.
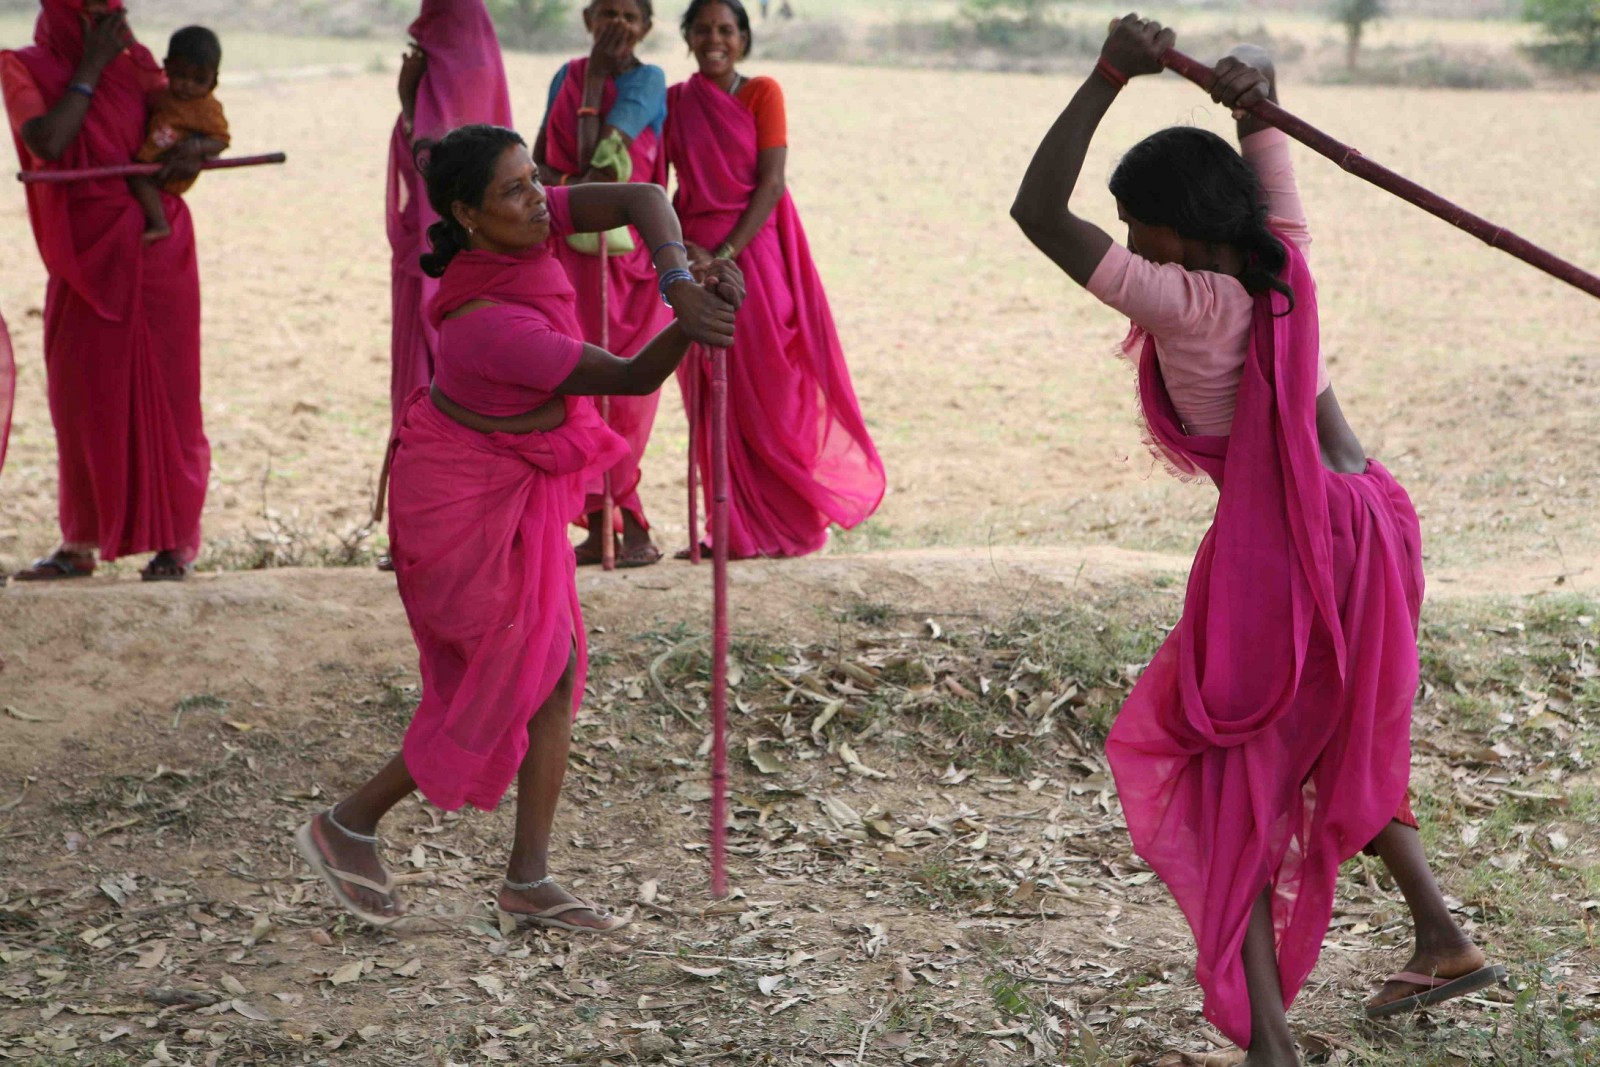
x,y
478,533
465,83
799,453
8,389
636,311
1269,739
121,319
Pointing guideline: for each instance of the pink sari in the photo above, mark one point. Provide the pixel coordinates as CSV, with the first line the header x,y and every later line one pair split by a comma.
x,y
636,313
799,453
121,319
478,529
465,83
8,389
1269,739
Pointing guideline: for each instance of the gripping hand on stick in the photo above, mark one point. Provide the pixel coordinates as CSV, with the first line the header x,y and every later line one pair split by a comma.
x,y
702,312
1134,45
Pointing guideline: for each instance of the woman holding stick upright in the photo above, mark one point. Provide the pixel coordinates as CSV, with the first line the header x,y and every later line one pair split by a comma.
x,y
488,470
604,124
453,76
799,454
1269,739
121,320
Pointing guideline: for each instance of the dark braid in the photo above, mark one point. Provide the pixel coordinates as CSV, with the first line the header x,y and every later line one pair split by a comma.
x,y
458,169
1196,183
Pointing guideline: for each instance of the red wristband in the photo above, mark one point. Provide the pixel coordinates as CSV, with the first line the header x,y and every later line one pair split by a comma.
x,y
1110,73
585,112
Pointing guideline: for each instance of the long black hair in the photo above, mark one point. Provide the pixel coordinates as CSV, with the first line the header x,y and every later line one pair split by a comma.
x,y
740,15
646,8
1196,183
458,167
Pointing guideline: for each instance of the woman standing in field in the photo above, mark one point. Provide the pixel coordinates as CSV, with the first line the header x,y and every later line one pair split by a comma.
x,y
121,320
488,469
799,453
604,124
453,76
1269,739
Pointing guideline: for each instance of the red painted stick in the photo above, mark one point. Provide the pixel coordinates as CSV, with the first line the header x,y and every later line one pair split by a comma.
x,y
126,170
719,616
693,393
1353,161
608,503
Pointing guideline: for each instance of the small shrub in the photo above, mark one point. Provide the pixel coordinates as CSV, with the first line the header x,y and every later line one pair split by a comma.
x,y
1572,29
1433,67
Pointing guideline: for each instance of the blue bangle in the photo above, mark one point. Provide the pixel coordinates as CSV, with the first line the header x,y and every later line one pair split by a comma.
x,y
671,278
82,89
669,244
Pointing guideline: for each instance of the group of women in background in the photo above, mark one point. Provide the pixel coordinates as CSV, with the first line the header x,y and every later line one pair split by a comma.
x,y
800,455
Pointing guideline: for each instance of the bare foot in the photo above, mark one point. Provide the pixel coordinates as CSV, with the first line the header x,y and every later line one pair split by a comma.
x,y
165,566
152,234
353,855
1460,959
542,897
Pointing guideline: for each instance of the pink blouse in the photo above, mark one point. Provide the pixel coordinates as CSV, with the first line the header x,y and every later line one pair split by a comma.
x,y
507,359
1201,319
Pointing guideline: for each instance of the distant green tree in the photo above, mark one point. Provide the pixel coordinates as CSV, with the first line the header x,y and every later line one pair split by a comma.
x,y
1573,27
1006,22
527,23
1354,15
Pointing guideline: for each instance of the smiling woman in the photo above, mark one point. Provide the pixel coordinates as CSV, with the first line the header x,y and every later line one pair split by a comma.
x,y
799,453
488,467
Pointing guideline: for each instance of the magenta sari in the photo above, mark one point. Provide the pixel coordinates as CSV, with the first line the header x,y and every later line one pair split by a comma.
x,y
1269,739
121,319
478,533
465,83
799,454
636,313
8,389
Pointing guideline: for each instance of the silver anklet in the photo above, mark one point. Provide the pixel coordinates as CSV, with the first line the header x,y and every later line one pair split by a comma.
x,y
523,887
370,839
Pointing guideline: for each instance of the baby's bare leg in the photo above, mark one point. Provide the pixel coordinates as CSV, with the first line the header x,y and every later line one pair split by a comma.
x,y
148,193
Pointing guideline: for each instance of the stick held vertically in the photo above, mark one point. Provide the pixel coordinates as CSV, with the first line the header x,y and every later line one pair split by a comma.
x,y
1353,161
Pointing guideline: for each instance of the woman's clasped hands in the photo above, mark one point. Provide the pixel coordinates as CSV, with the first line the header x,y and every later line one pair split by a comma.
x,y
706,308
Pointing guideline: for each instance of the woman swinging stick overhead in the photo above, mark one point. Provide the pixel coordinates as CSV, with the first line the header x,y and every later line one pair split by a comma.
x,y
1269,739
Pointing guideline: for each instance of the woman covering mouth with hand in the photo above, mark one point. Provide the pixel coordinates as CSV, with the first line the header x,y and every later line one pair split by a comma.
x,y
799,453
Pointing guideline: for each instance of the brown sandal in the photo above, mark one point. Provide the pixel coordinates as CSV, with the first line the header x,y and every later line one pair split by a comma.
x,y
56,567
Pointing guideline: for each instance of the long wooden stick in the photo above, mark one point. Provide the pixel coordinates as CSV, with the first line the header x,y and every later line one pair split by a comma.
x,y
608,502
127,170
719,623
1353,161
693,395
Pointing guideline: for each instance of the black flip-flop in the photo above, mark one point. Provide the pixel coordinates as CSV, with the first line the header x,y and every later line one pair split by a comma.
x,y
647,556
183,572
1436,990
59,562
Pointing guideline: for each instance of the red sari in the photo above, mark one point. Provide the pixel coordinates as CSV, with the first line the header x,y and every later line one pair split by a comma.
x,y
636,312
1269,739
8,389
121,319
465,83
799,454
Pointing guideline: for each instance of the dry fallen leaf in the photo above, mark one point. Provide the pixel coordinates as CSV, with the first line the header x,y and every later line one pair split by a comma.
x,y
700,972
348,973
768,984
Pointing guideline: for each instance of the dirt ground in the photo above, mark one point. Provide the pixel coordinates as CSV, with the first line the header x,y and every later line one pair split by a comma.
x,y
936,871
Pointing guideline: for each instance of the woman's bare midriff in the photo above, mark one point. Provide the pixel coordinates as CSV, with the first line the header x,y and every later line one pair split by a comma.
x,y
542,419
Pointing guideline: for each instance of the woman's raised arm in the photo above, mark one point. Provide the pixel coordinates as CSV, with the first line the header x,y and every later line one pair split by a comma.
x,y
48,136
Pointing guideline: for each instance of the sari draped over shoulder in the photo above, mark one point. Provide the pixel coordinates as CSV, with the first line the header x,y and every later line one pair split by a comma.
x,y
121,318
478,529
799,453
1269,739
635,311
465,83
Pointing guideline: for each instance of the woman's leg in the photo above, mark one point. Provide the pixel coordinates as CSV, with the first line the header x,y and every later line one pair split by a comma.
x,y
340,839
589,551
539,780
1271,1044
1443,949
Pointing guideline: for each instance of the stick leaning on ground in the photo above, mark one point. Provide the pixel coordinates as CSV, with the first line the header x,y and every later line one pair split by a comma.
x,y
1353,161
608,500
128,170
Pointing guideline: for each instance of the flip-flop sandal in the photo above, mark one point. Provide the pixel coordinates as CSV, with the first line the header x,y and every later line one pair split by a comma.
x,y
54,568
548,918
644,556
148,574
585,559
683,553
336,880
1436,990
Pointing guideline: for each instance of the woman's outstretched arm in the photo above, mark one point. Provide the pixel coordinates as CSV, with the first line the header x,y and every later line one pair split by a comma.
x,y
1042,208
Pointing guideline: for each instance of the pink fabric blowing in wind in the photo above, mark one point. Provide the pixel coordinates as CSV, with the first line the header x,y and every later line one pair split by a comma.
x,y
121,319
636,313
799,454
1269,739
478,527
465,83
